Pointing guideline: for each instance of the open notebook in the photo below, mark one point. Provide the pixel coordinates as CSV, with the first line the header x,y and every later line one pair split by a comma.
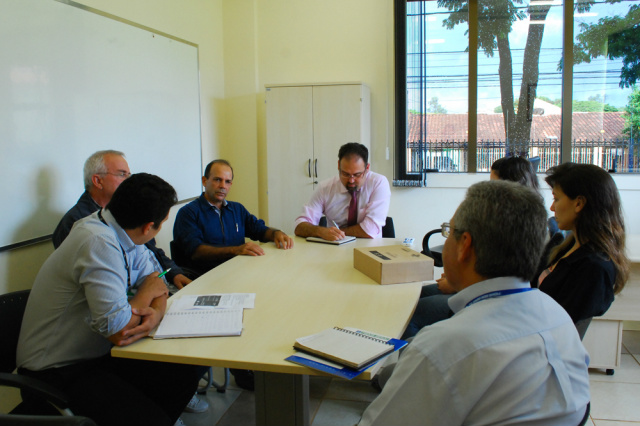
x,y
336,242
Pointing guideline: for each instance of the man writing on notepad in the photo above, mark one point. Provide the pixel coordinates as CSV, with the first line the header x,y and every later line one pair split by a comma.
x,y
355,203
510,355
98,289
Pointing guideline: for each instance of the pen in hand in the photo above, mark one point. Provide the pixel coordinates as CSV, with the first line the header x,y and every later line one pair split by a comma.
x,y
335,224
163,273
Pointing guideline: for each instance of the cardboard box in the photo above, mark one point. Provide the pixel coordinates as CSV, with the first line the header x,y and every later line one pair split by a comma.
x,y
393,264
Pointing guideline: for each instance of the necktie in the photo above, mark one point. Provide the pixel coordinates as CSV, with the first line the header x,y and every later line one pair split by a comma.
x,y
353,209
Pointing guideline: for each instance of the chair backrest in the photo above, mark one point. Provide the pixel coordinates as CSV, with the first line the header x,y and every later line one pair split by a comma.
x,y
177,255
388,231
436,256
12,306
582,325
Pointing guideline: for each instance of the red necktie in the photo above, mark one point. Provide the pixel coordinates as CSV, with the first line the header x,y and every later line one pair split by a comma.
x,y
353,209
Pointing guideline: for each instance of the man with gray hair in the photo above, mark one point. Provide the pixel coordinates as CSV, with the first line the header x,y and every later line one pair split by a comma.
x,y
510,355
104,171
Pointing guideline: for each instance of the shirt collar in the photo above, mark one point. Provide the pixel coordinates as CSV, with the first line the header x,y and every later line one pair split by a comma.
x,y
123,237
207,203
458,301
91,200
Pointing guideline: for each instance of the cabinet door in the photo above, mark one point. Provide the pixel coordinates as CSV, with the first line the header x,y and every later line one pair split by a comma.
x,y
289,153
340,115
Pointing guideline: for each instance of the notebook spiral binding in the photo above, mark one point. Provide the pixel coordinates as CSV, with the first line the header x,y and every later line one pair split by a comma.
x,y
362,335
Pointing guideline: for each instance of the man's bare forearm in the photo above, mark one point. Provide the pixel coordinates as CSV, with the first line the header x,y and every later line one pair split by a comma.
x,y
206,253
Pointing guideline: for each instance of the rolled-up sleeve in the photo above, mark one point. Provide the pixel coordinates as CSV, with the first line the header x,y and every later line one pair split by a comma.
x,y
377,208
314,209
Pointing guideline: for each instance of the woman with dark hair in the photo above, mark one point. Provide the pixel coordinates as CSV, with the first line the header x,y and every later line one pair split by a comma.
x,y
585,271
432,306
515,169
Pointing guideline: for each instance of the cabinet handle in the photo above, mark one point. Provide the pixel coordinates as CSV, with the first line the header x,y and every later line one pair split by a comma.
x,y
309,167
316,167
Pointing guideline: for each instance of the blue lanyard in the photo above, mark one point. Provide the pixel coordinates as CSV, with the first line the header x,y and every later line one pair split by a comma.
x,y
497,293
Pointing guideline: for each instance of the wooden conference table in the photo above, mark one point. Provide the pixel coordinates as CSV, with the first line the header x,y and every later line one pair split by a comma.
x,y
299,292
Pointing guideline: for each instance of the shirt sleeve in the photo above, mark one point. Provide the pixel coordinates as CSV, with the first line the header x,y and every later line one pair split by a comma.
x,y
186,232
314,209
254,228
102,274
377,208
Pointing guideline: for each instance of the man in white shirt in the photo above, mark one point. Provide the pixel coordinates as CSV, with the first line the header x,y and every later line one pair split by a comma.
x,y
355,203
510,355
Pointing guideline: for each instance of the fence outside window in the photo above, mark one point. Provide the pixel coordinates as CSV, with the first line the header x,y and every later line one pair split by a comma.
x,y
619,155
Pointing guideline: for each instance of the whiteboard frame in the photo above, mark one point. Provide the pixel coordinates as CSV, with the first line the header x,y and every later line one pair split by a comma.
x,y
187,195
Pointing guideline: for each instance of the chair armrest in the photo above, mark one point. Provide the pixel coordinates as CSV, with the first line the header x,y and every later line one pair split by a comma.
x,y
36,387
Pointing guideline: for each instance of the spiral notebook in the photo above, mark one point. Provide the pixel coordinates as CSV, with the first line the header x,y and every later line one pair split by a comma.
x,y
346,239
347,347
212,322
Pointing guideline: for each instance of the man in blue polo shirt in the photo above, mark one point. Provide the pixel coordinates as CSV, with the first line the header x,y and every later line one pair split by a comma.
x,y
211,230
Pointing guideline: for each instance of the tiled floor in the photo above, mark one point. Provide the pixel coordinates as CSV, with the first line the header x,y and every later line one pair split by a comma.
x,y
615,400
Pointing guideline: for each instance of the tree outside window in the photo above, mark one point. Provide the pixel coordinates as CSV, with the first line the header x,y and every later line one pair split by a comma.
x,y
487,78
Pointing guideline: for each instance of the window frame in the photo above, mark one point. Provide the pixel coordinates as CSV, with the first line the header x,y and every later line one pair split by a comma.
x,y
400,63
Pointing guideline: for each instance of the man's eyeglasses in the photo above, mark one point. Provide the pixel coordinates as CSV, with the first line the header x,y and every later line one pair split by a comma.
x,y
447,229
123,175
354,176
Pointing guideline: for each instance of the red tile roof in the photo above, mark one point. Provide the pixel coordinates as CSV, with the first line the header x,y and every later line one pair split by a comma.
x,y
453,127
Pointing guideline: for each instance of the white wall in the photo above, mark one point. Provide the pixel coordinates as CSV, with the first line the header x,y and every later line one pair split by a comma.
x,y
197,21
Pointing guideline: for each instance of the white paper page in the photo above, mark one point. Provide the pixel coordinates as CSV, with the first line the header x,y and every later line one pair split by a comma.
x,y
213,301
212,322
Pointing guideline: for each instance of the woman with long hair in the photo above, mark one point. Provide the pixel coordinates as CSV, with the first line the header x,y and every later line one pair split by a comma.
x,y
585,271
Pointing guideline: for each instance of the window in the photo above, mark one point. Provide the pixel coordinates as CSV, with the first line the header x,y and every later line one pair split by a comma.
x,y
478,80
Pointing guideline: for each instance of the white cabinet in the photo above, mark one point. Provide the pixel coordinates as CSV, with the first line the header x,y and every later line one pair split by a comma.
x,y
306,125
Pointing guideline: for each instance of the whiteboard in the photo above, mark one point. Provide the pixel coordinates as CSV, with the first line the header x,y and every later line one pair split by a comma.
x,y
74,80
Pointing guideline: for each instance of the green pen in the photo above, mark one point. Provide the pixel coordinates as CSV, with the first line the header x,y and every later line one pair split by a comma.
x,y
162,274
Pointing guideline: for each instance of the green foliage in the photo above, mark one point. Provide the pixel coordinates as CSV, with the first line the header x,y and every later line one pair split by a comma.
x,y
592,106
614,37
632,115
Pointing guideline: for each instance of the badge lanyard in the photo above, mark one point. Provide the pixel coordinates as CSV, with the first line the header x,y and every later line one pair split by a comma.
x,y
497,293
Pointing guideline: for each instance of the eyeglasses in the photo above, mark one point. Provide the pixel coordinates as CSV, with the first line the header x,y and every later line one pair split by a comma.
x,y
123,175
447,229
354,176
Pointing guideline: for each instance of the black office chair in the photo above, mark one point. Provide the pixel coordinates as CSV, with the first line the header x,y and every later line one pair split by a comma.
x,y
38,397
21,420
582,325
435,252
388,230
177,255
586,415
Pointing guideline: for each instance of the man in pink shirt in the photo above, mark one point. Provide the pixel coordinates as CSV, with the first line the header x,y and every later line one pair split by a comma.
x,y
355,203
